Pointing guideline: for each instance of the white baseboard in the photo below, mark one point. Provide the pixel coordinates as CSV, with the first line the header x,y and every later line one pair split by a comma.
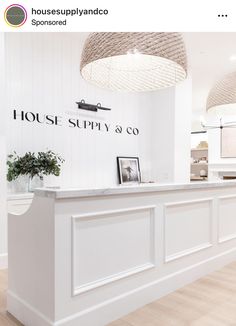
x,y
3,261
117,307
24,312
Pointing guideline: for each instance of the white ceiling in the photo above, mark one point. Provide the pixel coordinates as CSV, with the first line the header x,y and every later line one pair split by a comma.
x,y
208,60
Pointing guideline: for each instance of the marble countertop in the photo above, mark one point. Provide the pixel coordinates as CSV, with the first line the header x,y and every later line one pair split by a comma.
x,y
142,188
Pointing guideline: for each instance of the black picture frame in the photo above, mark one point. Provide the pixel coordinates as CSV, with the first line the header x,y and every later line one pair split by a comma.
x,y
128,170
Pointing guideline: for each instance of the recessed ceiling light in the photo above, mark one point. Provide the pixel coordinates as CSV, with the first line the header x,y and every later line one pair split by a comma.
x,y
233,57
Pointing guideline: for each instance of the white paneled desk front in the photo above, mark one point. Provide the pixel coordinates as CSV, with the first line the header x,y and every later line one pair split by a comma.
x,y
87,257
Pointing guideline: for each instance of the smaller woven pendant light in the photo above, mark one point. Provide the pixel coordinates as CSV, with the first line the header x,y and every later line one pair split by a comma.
x,y
134,61
222,96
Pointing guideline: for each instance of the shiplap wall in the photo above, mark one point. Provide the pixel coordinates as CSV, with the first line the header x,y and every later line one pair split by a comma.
x,y
43,76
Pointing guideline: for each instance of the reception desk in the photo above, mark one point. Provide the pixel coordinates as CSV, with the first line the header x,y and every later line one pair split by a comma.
x,y
87,257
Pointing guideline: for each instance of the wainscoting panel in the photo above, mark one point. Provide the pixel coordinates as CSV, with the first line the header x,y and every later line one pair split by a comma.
x,y
111,245
226,218
187,227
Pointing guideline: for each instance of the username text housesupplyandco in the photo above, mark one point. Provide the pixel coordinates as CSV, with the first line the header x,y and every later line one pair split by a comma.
x,y
52,14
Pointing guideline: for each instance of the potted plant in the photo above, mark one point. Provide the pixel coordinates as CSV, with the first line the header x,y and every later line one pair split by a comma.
x,y
33,165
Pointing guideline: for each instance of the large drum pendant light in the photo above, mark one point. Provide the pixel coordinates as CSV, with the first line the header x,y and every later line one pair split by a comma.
x,y
134,61
222,96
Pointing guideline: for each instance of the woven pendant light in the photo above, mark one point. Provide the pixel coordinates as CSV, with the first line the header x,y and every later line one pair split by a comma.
x,y
134,61
222,97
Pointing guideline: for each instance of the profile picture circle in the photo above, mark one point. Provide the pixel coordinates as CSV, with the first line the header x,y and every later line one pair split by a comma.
x,y
15,15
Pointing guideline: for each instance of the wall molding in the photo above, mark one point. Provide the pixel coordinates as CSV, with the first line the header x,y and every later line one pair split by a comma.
x,y
229,237
76,290
187,252
200,246
188,202
115,277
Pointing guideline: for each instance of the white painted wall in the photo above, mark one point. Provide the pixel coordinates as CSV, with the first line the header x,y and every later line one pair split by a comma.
x,y
171,126
163,134
182,120
3,214
43,76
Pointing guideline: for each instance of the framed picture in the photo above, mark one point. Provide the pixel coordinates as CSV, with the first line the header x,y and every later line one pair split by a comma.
x,y
128,170
228,142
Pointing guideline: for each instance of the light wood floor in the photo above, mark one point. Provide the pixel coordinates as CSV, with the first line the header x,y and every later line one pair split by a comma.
x,y
210,301
5,318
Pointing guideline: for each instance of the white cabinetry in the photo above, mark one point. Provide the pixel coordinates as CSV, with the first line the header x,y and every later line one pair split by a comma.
x,y
88,257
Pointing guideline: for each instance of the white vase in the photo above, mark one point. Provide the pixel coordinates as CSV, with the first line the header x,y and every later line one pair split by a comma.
x,y
35,182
